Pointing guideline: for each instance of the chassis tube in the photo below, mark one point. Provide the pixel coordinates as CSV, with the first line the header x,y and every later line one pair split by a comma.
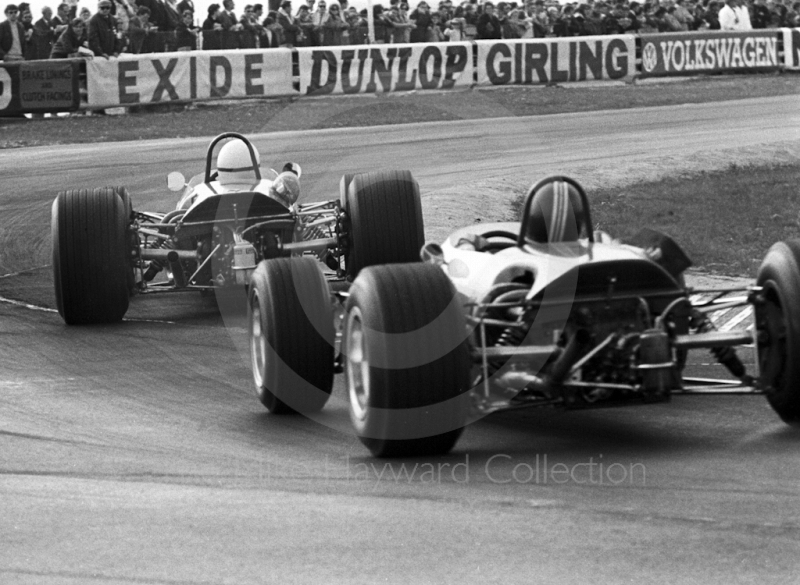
x,y
713,339
163,254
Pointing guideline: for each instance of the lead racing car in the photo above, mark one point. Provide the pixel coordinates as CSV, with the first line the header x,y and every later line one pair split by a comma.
x,y
540,312
226,221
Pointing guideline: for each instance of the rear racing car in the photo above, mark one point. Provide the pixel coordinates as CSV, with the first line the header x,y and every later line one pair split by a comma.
x,y
226,221
540,312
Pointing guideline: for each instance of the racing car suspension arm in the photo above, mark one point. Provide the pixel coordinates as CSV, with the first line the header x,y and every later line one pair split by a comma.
x,y
161,254
714,339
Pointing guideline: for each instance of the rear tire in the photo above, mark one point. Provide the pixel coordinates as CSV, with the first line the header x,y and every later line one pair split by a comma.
x,y
778,320
291,335
406,360
92,270
385,215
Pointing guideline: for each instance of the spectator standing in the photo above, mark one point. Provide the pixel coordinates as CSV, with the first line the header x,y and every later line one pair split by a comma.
x,y
359,30
383,27
305,21
334,27
26,18
212,29
186,33
292,33
12,35
43,34
682,15
251,28
85,15
273,36
141,32
731,17
64,14
104,39
423,22
793,16
456,26
488,24
123,11
230,25
761,15
70,40
318,19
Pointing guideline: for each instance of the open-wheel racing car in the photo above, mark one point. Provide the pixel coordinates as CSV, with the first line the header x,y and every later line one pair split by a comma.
x,y
227,220
541,312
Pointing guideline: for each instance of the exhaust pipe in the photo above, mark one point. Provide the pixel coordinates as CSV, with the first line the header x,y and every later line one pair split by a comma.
x,y
518,380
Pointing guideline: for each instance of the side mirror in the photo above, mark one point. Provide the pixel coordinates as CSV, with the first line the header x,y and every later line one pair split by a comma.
x,y
432,252
176,181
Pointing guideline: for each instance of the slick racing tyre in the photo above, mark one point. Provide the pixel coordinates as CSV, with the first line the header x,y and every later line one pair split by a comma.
x,y
291,335
92,271
406,360
778,324
385,219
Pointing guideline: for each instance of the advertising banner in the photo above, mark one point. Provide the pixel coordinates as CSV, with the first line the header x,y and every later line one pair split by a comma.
x,y
39,86
708,52
791,48
553,60
189,75
385,68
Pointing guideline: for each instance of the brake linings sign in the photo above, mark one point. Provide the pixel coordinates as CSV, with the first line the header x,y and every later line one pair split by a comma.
x,y
679,53
543,61
165,77
385,68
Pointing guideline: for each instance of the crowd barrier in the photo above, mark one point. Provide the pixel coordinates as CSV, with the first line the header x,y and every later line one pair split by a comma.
x,y
51,86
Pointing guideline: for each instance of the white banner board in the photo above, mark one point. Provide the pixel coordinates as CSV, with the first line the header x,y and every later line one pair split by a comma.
x,y
556,60
189,75
385,68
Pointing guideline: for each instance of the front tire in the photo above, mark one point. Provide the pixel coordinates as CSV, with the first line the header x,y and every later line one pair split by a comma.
x,y
385,219
291,335
406,360
92,272
778,323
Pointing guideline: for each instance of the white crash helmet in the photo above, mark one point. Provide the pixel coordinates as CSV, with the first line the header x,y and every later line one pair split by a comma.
x,y
235,163
286,188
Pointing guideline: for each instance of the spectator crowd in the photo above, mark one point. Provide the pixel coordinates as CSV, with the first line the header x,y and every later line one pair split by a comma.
x,y
147,26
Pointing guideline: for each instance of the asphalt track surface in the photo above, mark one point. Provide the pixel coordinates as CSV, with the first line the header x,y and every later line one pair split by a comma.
x,y
137,453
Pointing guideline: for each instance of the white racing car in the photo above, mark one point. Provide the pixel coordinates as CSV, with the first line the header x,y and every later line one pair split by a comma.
x,y
227,220
541,312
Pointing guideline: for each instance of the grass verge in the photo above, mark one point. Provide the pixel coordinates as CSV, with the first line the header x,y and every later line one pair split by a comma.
x,y
725,220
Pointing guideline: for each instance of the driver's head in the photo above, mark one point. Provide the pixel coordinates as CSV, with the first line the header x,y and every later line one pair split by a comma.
x,y
555,213
235,163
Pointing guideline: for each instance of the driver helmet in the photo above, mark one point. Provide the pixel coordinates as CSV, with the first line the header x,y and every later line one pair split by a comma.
x,y
235,164
286,188
555,213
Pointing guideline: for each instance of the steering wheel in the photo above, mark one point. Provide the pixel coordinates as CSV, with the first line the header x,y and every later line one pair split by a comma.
x,y
509,240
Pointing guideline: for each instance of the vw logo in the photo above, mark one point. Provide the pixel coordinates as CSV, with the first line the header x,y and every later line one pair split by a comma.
x,y
649,57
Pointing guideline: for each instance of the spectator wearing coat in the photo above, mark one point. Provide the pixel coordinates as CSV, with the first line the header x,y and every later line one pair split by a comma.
x,y
334,26
141,32
69,41
186,33
43,34
291,28
488,24
12,36
104,40
423,21
251,29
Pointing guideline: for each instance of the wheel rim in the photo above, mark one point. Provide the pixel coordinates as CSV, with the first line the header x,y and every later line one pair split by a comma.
x,y
772,356
258,343
358,382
